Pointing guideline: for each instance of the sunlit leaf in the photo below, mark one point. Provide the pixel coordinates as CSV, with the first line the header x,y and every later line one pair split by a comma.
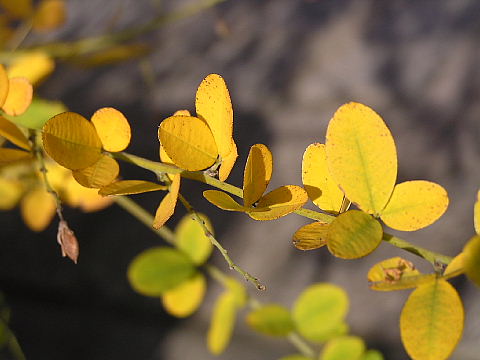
x,y
354,234
164,158
19,96
167,206
10,193
223,201
319,310
342,348
38,113
87,199
188,141
228,161
18,8
34,66
279,202
8,156
3,85
257,174
112,128
72,141
222,323
100,174
456,266
49,15
311,236
471,259
431,323
415,205
11,132
182,113
191,239
320,187
372,355
184,299
159,269
271,319
128,187
361,156
37,209
476,214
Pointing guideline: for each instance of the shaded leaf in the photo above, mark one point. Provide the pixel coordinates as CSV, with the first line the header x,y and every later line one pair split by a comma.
x,y
257,174
128,187
8,156
112,128
311,236
12,133
167,206
456,267
372,355
471,259
100,174
223,201
18,8
184,299
271,319
190,238
3,85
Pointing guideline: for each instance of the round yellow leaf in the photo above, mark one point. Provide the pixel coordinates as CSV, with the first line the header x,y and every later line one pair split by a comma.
x,y
431,323
471,259
112,128
415,205
128,187
320,187
100,174
49,15
354,234
311,236
167,205
279,202
188,141
11,132
184,299
3,85
361,156
37,209
257,174
19,96
71,140
34,66
223,201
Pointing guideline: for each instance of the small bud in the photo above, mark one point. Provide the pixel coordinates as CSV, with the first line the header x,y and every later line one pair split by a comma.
x,y
67,241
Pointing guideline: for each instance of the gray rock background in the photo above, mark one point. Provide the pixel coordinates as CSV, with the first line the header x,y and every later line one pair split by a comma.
x,y
289,65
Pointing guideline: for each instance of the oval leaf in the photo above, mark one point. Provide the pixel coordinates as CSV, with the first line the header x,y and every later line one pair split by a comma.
x,y
3,85
342,348
311,236
222,323
415,205
361,156
257,174
184,299
354,234
228,161
10,193
188,141
320,187
167,205
223,201
128,187
100,174
71,140
190,237
431,323
471,259
112,128
8,156
271,319
19,96
37,209
12,133
158,270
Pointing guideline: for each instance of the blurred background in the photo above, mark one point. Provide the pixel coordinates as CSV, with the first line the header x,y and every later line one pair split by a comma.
x,y
288,65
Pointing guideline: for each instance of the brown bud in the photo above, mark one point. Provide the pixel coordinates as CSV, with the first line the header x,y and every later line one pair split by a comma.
x,y
67,240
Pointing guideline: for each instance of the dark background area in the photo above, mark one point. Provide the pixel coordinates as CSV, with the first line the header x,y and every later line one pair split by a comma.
x,y
289,65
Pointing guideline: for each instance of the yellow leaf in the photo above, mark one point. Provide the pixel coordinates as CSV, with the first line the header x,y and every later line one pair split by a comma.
x,y
18,8
164,158
88,200
34,66
342,348
361,156
71,140
188,142
456,267
167,205
12,133
190,237
415,205
311,236
184,299
98,175
279,202
257,174
354,234
10,193
476,214
3,85
431,323
182,113
471,259
49,15
37,209
128,187
222,324
19,96
112,128
320,187
228,161
8,156
223,201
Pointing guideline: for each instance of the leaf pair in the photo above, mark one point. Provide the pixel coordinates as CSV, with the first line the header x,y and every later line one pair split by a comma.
x,y
194,143
15,93
257,175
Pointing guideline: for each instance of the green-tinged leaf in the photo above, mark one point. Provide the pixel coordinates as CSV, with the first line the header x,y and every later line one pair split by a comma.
x,y
100,174
311,236
12,133
238,290
128,187
167,206
354,234
471,259
38,113
158,270
361,156
8,156
222,323
257,174
320,187
190,237
223,201
372,355
271,319
112,128
342,348
184,299
431,323
72,141
188,141
319,311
